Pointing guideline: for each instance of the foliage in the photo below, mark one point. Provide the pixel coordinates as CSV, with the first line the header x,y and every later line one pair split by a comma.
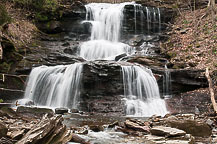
x,y
44,9
1,101
4,16
45,5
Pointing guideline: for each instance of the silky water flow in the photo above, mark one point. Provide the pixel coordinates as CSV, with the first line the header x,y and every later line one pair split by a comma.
x,y
59,86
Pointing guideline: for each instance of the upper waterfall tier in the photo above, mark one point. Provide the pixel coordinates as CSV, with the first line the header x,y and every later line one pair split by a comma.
x,y
106,20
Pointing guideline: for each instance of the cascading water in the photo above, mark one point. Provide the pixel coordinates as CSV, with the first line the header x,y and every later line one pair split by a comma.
x,y
106,22
153,15
167,83
57,86
141,92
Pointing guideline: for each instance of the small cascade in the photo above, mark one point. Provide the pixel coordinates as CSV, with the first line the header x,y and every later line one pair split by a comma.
x,y
153,17
167,83
55,86
102,49
141,92
59,86
138,15
159,19
106,20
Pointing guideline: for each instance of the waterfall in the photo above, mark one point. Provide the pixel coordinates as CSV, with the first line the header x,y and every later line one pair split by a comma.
x,y
141,92
167,83
159,19
56,86
59,86
153,16
138,12
106,20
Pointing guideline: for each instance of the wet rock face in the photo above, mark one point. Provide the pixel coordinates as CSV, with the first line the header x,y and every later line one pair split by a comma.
x,y
102,87
181,80
103,77
12,86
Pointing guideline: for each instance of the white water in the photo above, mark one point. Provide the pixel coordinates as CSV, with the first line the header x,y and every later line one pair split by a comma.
x,y
103,49
153,16
56,86
106,20
142,92
167,83
59,86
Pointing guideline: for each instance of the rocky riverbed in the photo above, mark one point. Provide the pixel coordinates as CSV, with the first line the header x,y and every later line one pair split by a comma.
x,y
35,125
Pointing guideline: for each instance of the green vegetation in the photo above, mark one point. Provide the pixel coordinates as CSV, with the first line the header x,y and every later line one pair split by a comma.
x,y
44,9
1,101
45,5
4,16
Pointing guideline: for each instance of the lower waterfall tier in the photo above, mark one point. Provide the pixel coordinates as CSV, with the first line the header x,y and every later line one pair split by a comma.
x,y
98,86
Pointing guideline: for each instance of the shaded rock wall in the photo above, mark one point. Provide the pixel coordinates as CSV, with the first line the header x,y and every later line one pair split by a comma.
x,y
102,87
12,86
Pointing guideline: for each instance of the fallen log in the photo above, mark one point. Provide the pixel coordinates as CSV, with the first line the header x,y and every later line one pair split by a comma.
x,y
211,90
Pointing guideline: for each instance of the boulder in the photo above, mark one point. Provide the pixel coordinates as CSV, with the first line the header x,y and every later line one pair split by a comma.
x,y
136,126
167,131
74,111
61,110
3,130
200,129
96,128
77,139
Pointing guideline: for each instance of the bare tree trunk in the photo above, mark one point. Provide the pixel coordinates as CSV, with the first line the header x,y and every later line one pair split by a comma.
x,y
212,9
211,90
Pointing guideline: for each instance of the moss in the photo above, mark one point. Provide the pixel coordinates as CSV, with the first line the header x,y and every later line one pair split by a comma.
x,y
41,17
171,54
175,67
4,16
45,9
5,67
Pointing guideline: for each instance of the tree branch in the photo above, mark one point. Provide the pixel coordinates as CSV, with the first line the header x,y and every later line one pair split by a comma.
x,y
211,90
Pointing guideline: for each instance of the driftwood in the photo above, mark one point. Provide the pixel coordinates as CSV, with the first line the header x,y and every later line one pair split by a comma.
x,y
211,90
